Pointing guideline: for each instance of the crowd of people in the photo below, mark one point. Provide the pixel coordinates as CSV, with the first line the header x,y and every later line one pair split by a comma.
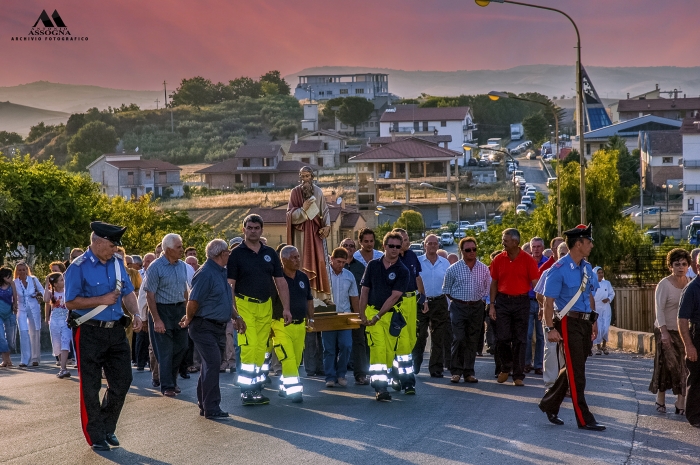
x,y
250,309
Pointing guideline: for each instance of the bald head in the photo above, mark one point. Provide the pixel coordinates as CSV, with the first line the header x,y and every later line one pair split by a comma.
x,y
431,245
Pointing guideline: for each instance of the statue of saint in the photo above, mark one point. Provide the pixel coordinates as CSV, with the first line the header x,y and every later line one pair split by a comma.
x,y
308,225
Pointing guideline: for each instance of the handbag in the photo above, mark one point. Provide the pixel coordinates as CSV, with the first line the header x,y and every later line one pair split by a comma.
x,y
38,295
397,323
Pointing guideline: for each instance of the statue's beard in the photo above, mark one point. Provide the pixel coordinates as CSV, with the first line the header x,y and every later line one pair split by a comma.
x,y
307,189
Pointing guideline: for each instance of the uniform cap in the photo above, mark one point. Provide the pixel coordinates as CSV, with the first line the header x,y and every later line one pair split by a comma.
x,y
580,231
108,231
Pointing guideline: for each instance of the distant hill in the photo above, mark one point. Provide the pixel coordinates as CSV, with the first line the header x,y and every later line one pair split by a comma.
x,y
72,98
19,118
550,80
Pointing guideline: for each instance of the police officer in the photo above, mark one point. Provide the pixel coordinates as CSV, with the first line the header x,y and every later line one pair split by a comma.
x,y
383,285
251,268
571,279
98,279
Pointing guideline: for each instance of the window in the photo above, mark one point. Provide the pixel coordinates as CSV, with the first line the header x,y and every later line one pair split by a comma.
x,y
148,175
359,91
306,160
130,178
246,163
267,162
325,146
443,124
162,177
343,91
666,159
238,179
425,125
395,127
371,124
319,161
320,93
329,92
588,149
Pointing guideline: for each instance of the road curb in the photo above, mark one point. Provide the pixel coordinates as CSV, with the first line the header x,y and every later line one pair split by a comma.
x,y
637,342
544,167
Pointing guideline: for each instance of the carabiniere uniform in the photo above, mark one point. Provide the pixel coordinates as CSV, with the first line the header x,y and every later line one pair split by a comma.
x,y
563,281
100,342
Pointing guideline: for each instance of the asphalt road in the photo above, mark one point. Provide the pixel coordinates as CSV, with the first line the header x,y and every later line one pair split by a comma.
x,y
445,423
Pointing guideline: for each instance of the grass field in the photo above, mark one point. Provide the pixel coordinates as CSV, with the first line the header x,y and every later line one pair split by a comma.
x,y
226,221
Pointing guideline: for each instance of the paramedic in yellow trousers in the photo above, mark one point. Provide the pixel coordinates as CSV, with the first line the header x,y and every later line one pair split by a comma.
x,y
289,327
383,285
251,267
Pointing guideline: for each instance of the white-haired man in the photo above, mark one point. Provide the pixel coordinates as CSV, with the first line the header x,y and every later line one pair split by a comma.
x,y
166,287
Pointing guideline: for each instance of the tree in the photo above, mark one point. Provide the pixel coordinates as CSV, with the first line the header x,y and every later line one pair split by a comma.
x,y
412,222
91,141
354,111
245,87
196,92
269,88
572,157
328,108
627,164
536,128
275,78
9,138
40,129
123,108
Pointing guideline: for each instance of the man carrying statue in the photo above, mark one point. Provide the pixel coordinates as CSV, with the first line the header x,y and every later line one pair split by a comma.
x,y
308,225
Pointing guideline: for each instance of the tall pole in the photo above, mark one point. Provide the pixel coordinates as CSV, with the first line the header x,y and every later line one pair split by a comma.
x,y
556,135
165,93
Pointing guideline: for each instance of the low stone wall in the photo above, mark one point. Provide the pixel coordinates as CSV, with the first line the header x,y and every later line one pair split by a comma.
x,y
637,342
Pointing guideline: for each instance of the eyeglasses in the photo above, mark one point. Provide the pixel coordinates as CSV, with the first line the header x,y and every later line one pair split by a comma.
x,y
469,250
348,246
393,246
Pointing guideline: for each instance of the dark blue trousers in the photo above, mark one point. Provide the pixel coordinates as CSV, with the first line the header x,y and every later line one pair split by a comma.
x,y
170,347
210,342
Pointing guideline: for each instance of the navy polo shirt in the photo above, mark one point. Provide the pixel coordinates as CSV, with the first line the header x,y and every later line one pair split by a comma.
x,y
410,261
89,277
382,281
689,307
299,295
253,271
211,291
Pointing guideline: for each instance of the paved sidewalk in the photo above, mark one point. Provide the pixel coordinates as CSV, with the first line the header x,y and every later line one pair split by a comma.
x,y
445,423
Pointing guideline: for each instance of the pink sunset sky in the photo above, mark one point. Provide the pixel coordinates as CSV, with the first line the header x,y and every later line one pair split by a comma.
x,y
138,44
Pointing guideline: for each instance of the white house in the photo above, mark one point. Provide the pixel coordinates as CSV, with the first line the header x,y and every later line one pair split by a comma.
x,y
131,177
628,130
691,166
411,120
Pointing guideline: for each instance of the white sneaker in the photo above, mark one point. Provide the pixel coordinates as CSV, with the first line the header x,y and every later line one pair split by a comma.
x,y
330,383
342,382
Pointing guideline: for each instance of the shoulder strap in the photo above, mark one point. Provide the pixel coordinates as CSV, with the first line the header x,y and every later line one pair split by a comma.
x,y
574,299
93,313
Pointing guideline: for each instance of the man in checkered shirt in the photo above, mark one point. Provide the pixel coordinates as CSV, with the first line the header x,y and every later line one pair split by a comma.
x,y
466,284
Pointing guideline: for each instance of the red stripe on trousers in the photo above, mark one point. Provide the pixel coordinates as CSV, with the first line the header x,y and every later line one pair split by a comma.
x,y
83,412
570,371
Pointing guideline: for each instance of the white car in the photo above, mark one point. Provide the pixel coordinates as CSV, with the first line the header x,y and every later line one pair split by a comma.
x,y
481,225
463,224
447,239
526,199
522,208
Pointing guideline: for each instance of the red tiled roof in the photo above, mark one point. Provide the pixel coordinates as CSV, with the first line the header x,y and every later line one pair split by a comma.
x,y
257,151
226,166
408,149
691,126
665,142
144,164
304,146
659,104
405,113
433,139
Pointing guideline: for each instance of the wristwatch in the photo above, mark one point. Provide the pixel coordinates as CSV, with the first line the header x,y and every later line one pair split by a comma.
x,y
549,328
310,320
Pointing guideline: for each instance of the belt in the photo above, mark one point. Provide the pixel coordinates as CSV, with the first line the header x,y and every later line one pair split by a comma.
x,y
468,302
297,322
437,297
508,296
579,315
410,294
251,299
214,322
104,324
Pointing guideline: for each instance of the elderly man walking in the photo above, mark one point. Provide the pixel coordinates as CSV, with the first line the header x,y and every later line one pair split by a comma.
x,y
209,310
466,285
514,273
166,287
534,323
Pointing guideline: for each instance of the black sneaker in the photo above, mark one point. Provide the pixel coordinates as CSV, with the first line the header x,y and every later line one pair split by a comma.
x,y
247,398
260,399
396,384
220,415
383,396
410,390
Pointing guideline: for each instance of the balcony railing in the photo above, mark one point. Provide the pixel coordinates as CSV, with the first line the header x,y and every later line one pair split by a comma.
x,y
469,127
694,188
256,168
413,130
691,163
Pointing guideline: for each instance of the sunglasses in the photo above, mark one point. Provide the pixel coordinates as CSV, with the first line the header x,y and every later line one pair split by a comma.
x,y
469,250
393,246
348,246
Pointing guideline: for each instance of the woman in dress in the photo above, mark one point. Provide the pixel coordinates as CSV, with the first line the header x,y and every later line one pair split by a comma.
x,y
603,296
670,371
56,316
8,318
29,292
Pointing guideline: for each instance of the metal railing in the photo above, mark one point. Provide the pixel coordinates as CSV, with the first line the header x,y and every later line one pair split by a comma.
x,y
691,163
470,126
414,130
691,187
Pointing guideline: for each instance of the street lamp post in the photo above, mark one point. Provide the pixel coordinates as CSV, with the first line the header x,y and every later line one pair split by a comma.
x,y
493,95
579,93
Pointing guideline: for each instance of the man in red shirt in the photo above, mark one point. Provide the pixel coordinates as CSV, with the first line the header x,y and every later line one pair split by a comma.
x,y
514,273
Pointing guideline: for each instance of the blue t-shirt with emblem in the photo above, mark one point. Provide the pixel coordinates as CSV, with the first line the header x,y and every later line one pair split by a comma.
x,y
382,281
299,295
89,277
564,279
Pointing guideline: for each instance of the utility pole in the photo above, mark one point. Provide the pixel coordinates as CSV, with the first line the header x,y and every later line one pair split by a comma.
x,y
165,93
157,100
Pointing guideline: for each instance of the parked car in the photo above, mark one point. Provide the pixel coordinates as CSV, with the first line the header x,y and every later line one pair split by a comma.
x,y
526,199
654,235
518,173
472,162
651,211
551,181
481,225
531,155
460,233
463,224
522,208
498,219
417,248
484,163
435,225
447,239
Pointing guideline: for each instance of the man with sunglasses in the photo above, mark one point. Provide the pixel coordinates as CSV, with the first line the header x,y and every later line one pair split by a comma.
x,y
383,286
466,284
360,351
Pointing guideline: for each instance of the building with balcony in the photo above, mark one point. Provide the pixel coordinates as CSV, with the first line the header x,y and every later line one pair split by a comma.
x,y
629,131
672,108
662,157
405,163
257,166
129,176
411,120
328,86
690,131
313,151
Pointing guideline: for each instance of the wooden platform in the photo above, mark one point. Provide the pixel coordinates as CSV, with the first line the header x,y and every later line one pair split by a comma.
x,y
331,321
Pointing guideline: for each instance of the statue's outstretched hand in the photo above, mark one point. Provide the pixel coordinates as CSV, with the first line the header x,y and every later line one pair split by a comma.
x,y
324,231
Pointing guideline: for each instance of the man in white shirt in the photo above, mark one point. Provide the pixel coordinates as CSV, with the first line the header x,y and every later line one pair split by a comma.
x,y
693,268
366,252
337,345
435,316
